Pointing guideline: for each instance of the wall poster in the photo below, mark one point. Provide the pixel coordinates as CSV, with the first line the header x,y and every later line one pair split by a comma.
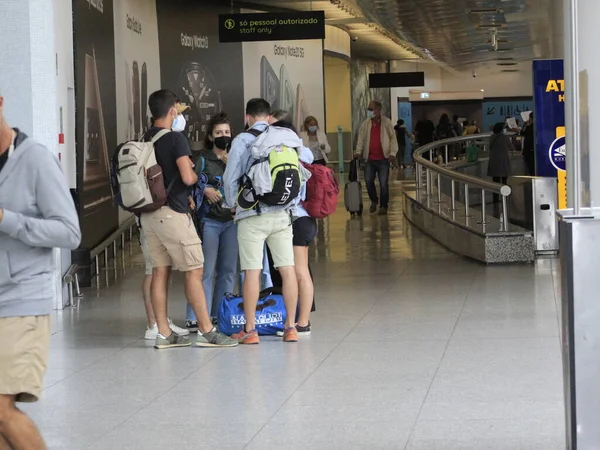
x,y
289,75
205,74
95,118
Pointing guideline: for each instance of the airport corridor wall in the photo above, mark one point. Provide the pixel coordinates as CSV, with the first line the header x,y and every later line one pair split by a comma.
x,y
126,49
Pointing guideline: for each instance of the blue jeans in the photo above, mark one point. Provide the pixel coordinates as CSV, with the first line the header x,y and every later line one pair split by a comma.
x,y
382,170
220,247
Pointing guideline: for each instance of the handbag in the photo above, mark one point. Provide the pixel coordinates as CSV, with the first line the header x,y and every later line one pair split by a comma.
x,y
270,314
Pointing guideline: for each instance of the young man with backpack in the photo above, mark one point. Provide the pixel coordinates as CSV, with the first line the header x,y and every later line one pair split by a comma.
x,y
262,180
170,232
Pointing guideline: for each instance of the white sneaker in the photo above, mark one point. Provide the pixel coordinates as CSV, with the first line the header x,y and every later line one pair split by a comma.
x,y
152,333
180,331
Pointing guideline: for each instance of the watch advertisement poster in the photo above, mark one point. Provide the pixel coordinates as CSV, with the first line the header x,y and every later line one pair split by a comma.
x,y
96,128
202,72
289,75
137,68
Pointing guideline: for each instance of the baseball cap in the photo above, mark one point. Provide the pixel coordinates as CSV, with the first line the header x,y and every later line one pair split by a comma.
x,y
181,107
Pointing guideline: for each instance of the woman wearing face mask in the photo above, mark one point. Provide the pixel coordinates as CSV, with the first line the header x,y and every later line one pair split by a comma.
x,y
316,140
219,232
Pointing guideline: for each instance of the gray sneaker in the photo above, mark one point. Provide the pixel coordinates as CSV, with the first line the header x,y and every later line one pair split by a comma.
x,y
215,339
172,341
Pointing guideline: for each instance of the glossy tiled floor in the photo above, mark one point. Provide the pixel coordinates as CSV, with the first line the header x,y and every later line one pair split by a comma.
x,y
413,348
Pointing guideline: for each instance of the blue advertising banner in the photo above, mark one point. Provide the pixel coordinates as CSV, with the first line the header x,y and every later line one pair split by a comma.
x,y
405,113
549,116
494,112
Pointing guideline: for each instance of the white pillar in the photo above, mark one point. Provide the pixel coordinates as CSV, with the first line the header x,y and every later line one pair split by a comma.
x,y
30,82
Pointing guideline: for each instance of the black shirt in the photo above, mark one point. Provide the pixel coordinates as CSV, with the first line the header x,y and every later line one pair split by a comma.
x,y
425,130
169,149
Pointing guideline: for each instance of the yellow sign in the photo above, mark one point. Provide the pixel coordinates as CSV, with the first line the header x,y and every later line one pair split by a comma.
x,y
557,86
562,177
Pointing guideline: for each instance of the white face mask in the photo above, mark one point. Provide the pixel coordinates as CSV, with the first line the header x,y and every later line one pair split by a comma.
x,y
179,124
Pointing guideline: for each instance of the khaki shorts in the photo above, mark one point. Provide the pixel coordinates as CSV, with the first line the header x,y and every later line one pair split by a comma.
x,y
24,356
145,251
273,228
172,240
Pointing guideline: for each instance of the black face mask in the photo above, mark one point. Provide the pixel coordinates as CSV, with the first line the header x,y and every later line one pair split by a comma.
x,y
223,142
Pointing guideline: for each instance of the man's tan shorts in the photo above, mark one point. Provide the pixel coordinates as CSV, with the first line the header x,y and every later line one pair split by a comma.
x,y
24,356
273,228
172,240
145,252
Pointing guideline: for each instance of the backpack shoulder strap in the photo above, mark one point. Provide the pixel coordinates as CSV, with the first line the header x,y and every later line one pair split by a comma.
x,y
158,135
254,132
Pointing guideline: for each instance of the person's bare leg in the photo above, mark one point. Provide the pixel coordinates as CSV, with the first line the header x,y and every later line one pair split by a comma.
x,y
18,430
251,293
290,294
194,292
160,280
147,293
306,288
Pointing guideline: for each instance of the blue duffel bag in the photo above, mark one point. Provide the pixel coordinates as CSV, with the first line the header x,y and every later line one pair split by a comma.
x,y
270,314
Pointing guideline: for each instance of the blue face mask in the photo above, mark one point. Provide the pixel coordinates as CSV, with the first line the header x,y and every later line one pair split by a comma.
x,y
370,114
312,129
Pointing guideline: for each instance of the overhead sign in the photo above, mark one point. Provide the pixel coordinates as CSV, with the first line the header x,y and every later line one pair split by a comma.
x,y
254,27
549,116
494,111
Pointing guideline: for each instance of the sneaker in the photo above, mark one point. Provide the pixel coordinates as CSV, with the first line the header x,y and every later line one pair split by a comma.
x,y
383,211
215,339
192,326
373,208
247,337
172,341
180,331
290,335
152,333
302,331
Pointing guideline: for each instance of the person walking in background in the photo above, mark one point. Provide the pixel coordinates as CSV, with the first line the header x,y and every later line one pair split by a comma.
x,y
171,234
457,126
401,135
37,213
472,129
218,230
315,140
499,162
528,145
378,146
424,131
444,130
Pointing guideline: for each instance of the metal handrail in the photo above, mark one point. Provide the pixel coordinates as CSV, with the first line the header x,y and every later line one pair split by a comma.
x,y
454,175
468,181
111,240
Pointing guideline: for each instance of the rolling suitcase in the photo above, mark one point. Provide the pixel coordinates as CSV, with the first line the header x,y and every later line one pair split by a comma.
x,y
353,191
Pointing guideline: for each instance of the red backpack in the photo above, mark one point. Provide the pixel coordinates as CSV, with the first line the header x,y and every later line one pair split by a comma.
x,y
322,190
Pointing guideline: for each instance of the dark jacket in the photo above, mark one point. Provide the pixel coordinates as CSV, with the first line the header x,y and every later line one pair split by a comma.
x,y
208,163
500,148
528,136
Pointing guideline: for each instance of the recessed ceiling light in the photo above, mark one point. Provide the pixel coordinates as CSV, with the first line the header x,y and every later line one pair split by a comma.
x,y
506,64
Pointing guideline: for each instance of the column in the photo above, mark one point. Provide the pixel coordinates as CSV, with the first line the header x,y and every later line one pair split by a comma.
x,y
29,81
580,226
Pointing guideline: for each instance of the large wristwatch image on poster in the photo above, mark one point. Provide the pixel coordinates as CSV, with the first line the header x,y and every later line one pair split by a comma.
x,y
95,151
198,88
